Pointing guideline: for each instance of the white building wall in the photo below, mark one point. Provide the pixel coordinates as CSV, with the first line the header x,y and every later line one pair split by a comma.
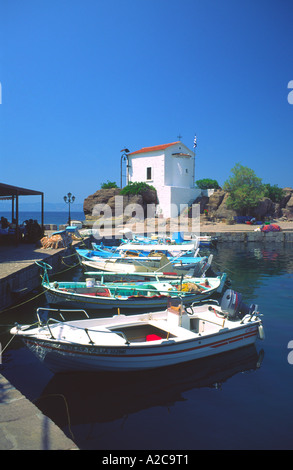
x,y
172,176
182,196
139,165
182,171
179,166
172,200
164,198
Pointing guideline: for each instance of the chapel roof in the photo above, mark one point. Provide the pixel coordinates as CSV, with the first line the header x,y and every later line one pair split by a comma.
x,y
154,148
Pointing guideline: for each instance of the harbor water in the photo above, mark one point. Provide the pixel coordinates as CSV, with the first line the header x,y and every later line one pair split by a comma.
x,y
240,400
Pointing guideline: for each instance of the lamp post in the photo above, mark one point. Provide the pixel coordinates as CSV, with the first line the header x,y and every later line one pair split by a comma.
x,y
69,199
124,157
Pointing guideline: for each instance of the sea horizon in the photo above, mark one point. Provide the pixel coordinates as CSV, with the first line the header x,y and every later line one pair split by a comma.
x,y
50,217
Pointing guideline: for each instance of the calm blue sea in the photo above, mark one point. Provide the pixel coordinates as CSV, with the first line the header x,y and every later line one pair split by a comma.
x,y
57,218
241,400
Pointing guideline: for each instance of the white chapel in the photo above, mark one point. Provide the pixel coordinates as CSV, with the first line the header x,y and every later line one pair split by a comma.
x,y
170,168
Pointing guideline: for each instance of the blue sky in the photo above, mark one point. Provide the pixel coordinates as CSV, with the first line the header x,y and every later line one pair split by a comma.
x,y
83,79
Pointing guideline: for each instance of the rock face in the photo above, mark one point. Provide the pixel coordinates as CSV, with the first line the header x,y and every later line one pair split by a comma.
x,y
216,206
103,196
285,208
109,203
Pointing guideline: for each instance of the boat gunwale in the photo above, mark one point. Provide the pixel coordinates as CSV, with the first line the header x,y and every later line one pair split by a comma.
x,y
142,345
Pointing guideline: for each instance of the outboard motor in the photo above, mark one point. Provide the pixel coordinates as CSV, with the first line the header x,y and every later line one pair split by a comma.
x,y
232,304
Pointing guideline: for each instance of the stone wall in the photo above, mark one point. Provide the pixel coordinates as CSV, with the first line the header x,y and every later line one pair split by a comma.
x,y
246,237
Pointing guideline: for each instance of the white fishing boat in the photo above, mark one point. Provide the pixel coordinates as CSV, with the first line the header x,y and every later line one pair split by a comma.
x,y
207,240
174,250
176,239
140,264
146,341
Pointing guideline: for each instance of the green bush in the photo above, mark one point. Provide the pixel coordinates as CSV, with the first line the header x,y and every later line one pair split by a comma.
x,y
245,189
135,188
275,193
207,184
109,185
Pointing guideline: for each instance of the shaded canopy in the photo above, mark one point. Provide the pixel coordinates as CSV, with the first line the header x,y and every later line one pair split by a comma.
x,y
12,193
8,190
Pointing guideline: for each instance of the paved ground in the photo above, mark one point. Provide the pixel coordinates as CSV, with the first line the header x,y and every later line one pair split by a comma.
x,y
207,227
24,427
223,227
16,257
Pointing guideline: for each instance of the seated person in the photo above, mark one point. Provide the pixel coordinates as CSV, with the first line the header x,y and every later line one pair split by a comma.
x,y
4,223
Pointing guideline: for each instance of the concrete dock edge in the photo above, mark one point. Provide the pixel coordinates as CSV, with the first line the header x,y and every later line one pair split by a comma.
x,y
24,427
256,237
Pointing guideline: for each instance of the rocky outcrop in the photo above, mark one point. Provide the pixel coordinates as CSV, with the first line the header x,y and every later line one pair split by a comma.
x,y
104,203
216,206
216,200
103,196
109,203
285,207
265,208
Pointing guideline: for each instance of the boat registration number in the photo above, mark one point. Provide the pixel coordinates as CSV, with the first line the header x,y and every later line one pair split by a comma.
x,y
112,351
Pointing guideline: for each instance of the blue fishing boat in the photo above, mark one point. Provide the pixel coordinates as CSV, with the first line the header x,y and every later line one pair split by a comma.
x,y
130,262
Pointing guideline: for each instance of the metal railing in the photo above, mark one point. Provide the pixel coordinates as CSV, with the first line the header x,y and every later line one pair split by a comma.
x,y
51,319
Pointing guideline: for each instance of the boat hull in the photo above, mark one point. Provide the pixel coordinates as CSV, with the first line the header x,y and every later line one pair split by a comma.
x,y
64,357
134,302
130,295
107,303
139,267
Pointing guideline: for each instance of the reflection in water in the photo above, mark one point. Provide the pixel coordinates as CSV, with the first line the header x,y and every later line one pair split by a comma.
x,y
206,404
103,397
248,265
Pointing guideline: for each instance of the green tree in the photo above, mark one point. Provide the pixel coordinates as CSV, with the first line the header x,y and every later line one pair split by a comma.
x,y
245,189
275,193
207,183
109,185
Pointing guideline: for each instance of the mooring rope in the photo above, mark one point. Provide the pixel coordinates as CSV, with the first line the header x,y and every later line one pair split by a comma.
x,y
22,303
66,406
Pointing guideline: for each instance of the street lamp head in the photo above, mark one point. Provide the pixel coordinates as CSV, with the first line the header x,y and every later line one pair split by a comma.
x,y
69,198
